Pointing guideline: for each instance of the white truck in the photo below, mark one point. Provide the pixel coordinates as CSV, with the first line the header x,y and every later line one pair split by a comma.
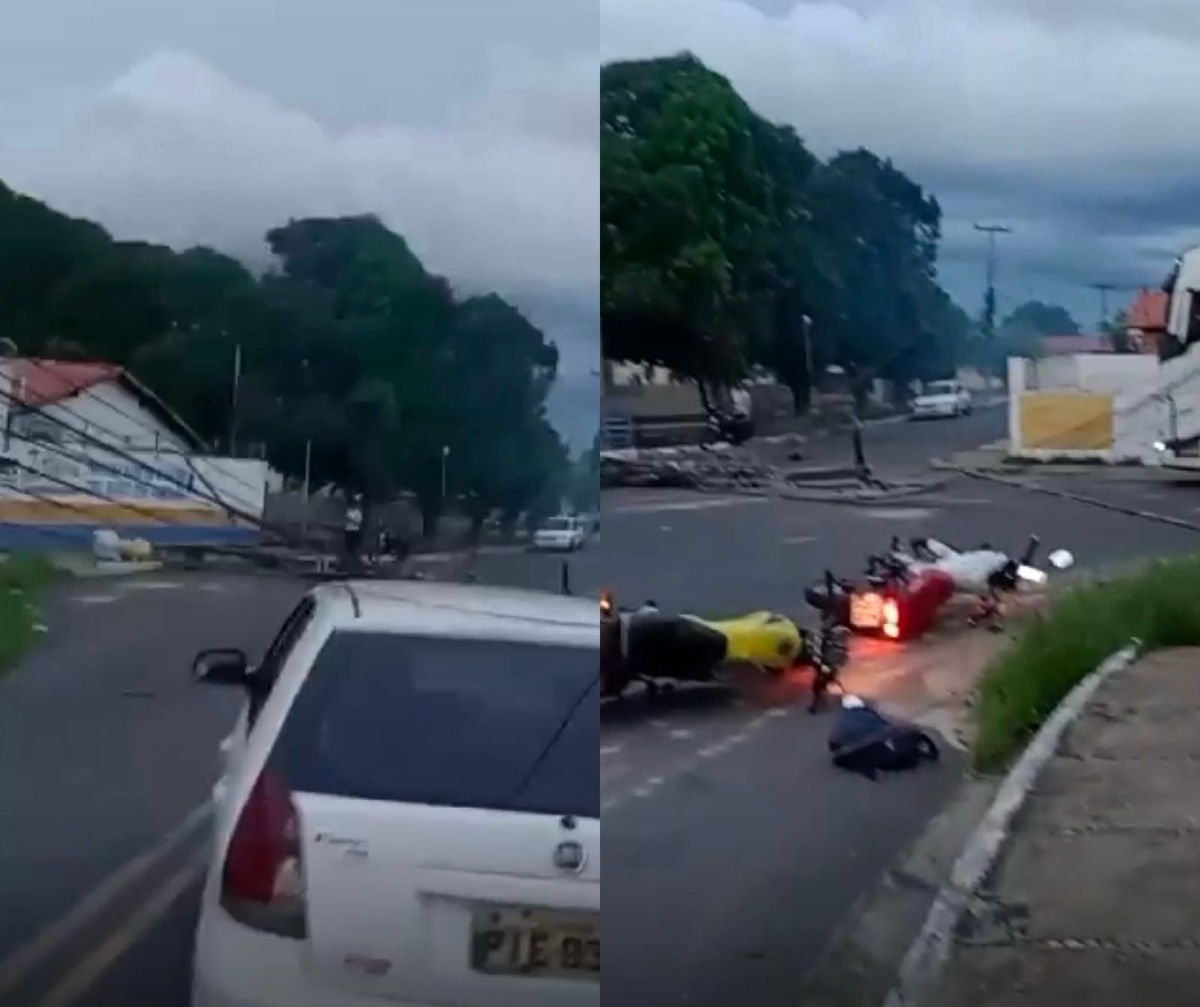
x,y
1179,377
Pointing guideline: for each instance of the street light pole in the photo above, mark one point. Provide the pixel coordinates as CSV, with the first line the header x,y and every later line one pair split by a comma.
x,y
307,485
989,296
806,329
445,456
234,396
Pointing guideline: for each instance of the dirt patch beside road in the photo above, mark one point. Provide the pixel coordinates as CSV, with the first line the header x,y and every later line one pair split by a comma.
x,y
934,680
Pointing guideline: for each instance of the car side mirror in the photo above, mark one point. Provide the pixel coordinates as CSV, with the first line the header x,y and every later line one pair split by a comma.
x,y
222,666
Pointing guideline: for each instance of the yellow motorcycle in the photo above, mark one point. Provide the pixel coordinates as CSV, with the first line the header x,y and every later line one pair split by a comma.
x,y
766,640
648,646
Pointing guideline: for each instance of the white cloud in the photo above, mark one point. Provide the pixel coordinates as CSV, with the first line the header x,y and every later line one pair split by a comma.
x,y
1073,121
503,194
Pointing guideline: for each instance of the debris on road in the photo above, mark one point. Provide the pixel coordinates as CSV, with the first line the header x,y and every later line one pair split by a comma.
x,y
859,491
723,467
705,467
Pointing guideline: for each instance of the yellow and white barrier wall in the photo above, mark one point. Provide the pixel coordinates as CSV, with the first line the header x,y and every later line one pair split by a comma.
x,y
1087,406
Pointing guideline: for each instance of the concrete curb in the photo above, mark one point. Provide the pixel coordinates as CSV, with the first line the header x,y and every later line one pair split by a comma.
x,y
1107,473
1081,498
928,954
906,494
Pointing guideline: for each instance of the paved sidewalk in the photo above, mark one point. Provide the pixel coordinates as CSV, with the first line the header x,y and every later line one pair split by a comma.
x,y
1096,900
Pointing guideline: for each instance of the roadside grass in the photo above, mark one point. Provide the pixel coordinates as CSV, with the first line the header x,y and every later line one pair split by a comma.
x,y
1159,604
23,578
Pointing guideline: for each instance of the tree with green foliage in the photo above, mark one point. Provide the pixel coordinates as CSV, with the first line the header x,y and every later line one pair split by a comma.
x,y
686,212
1042,318
726,243
352,354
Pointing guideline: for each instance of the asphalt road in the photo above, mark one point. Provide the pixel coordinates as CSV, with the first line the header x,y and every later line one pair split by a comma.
x,y
106,746
732,851
901,445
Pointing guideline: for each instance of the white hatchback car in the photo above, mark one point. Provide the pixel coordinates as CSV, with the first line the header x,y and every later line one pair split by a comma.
x,y
942,398
564,533
410,808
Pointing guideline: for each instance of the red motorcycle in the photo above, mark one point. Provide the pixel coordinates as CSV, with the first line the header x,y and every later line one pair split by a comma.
x,y
891,599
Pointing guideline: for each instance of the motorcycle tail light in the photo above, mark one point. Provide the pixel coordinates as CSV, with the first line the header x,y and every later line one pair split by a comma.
x,y
606,603
891,618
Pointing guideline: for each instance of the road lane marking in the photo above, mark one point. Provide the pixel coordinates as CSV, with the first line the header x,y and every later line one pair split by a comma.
x,y
899,513
84,975
647,786
799,540
18,965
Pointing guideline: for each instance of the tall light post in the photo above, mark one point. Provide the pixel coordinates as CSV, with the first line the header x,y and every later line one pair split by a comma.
x,y
445,459
989,295
234,397
806,333
307,486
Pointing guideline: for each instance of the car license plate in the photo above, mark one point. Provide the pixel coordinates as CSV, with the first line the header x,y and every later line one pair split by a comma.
x,y
866,611
536,942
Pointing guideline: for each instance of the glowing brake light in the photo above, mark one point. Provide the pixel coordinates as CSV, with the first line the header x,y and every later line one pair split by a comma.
x,y
891,619
606,603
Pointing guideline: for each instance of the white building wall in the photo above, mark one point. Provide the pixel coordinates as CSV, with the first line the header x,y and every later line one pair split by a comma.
x,y
1117,372
1050,373
113,414
1145,394
225,487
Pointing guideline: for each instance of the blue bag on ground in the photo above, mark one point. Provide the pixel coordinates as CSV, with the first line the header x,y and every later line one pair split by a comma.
x,y
865,741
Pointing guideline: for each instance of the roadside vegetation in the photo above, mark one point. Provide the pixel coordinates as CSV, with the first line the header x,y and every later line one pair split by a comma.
x,y
728,245
1158,604
23,579
354,363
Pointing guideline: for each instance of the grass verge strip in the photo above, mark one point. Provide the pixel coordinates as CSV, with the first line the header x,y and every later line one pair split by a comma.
x,y
23,578
1158,604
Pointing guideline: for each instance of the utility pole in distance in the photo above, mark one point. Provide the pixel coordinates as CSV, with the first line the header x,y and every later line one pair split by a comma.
x,y
989,294
1103,289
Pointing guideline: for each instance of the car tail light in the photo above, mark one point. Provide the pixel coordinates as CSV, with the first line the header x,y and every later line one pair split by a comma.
x,y
891,618
262,881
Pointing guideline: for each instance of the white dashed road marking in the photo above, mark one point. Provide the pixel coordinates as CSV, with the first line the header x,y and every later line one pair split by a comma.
x,y
95,599
647,786
800,540
899,513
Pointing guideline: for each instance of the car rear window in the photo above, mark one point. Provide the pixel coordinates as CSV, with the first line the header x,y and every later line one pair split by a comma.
x,y
941,388
460,723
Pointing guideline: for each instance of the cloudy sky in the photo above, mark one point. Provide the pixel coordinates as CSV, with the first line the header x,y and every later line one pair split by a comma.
x,y
1074,122
470,126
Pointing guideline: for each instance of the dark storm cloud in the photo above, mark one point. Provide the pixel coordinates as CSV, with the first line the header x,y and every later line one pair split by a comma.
x,y
1073,121
469,126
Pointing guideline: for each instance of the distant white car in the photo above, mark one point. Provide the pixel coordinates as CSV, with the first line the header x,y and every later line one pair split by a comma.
x,y
942,398
409,811
561,534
